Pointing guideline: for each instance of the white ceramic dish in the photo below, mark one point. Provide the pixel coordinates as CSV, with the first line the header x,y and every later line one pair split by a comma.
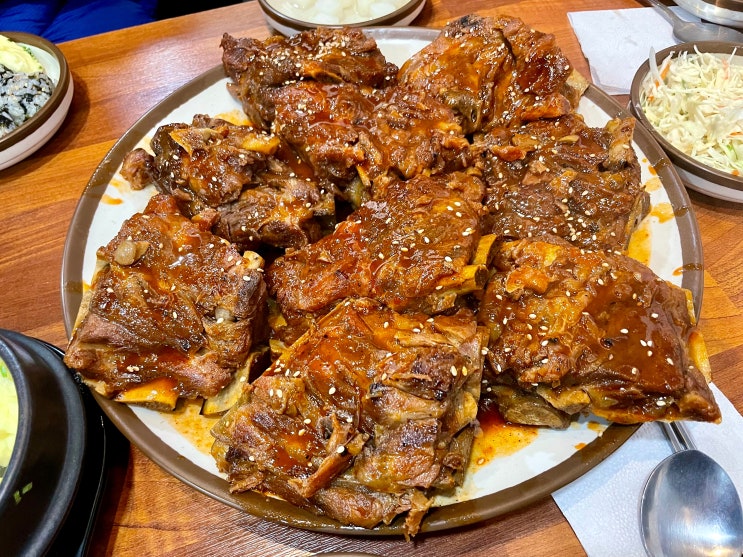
x,y
37,130
495,487
696,175
288,25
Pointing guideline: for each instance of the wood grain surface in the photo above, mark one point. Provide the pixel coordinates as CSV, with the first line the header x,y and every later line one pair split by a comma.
x,y
118,76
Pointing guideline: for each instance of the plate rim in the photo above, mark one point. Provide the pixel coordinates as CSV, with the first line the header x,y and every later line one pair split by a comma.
x,y
438,518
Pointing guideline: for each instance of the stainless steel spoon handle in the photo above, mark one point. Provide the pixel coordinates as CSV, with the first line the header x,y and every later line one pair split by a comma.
x,y
667,12
678,435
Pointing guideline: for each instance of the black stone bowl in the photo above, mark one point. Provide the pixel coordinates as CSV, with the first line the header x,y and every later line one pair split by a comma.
x,y
50,493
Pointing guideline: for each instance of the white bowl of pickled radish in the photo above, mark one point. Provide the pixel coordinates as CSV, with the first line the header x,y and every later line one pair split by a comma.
x,y
690,97
289,17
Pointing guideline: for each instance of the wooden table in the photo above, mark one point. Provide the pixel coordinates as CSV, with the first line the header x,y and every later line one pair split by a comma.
x,y
120,75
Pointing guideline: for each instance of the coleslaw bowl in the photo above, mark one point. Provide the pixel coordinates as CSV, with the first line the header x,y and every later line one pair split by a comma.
x,y
696,175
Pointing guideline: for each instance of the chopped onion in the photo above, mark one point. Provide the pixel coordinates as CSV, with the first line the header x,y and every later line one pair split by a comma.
x,y
695,101
336,12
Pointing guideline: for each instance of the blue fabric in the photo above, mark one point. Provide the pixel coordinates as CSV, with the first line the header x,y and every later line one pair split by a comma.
x,y
59,21
30,17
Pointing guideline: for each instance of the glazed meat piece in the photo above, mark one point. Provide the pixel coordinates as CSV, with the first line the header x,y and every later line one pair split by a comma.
x,y
495,72
562,178
357,137
332,97
320,122
206,163
138,168
261,191
259,68
593,331
461,68
416,133
365,417
282,209
415,249
541,83
169,300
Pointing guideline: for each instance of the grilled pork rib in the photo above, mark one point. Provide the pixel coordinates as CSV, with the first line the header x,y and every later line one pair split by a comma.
x,y
363,418
560,178
169,300
359,138
495,72
592,331
248,182
413,249
259,68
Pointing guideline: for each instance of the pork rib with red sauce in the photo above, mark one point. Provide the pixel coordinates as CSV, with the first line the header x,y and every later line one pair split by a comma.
x,y
592,331
258,68
560,178
495,72
261,192
411,250
169,300
365,417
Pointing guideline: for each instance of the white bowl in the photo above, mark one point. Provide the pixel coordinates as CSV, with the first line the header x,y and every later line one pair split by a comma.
x,y
289,25
37,130
696,175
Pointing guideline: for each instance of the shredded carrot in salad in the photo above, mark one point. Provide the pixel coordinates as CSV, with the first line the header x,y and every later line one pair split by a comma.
x,y
695,101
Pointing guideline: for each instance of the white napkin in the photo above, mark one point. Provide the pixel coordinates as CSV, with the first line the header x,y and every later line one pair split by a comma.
x,y
617,42
603,505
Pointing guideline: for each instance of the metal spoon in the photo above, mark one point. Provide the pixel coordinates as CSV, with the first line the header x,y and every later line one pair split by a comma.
x,y
690,505
688,31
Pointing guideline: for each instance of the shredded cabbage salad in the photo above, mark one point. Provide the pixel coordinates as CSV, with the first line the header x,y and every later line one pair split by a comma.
x,y
695,101
8,416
